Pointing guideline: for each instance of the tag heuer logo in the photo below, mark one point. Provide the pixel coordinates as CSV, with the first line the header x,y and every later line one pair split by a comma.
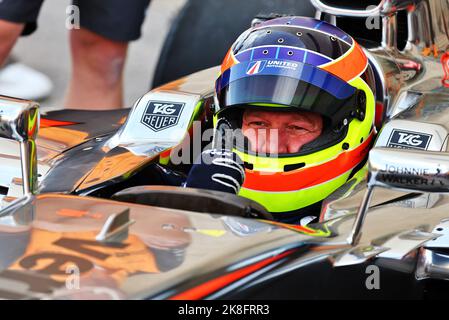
x,y
162,115
409,140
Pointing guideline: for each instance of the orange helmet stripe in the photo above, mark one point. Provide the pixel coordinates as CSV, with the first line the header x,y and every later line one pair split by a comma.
x,y
228,61
307,177
348,66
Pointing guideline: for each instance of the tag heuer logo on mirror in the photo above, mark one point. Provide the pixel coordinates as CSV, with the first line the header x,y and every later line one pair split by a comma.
x,y
162,115
409,140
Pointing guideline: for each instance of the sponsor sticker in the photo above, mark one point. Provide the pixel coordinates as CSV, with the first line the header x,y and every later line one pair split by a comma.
x,y
403,139
160,115
258,66
282,64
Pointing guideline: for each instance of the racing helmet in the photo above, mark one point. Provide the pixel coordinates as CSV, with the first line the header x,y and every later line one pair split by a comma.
x,y
298,63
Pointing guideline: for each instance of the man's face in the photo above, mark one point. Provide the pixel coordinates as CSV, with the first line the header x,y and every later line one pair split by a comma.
x,y
276,132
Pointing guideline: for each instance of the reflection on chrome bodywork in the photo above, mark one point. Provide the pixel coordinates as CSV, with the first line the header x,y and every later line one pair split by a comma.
x,y
357,255
141,263
126,250
19,121
433,265
176,246
424,171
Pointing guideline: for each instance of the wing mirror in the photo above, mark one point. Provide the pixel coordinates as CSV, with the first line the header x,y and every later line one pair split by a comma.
x,y
404,170
19,121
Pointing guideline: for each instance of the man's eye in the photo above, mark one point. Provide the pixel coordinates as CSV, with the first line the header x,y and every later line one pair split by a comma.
x,y
296,128
258,124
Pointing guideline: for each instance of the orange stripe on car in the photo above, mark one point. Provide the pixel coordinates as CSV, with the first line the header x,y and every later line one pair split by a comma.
x,y
47,123
216,284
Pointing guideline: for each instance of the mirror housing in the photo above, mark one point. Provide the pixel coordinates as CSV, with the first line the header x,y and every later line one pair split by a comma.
x,y
403,170
424,171
19,121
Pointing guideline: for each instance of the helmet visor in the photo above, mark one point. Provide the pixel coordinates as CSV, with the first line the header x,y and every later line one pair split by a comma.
x,y
291,84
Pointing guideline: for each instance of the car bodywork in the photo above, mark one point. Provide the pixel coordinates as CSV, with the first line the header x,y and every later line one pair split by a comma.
x,y
68,240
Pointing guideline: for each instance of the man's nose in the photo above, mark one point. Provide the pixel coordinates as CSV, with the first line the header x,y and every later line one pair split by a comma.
x,y
278,142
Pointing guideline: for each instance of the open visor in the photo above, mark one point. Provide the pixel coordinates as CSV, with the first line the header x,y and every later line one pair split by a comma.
x,y
290,84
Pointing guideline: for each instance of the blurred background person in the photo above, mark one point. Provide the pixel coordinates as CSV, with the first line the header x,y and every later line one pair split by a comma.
x,y
98,49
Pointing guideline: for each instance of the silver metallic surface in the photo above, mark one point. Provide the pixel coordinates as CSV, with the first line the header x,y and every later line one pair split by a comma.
x,y
111,158
432,265
433,260
201,234
131,268
417,69
59,133
19,121
29,166
357,255
413,131
389,32
116,228
334,10
20,212
17,117
422,171
384,228
135,145
441,242
423,200
140,139
403,243
356,232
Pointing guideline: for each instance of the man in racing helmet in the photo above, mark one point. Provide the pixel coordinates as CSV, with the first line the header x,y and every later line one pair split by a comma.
x,y
301,93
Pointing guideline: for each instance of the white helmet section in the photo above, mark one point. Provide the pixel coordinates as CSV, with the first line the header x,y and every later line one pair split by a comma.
x,y
158,121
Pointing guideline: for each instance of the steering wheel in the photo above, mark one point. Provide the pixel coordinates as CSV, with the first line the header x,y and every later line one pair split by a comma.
x,y
196,200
